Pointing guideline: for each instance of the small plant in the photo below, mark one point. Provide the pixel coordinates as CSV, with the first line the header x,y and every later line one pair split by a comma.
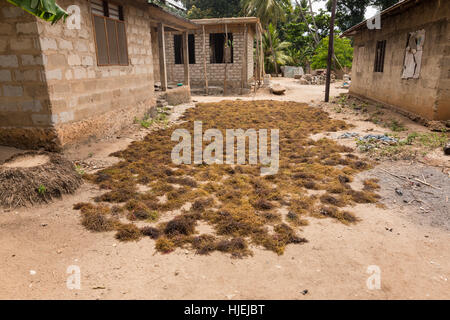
x,y
411,137
42,190
79,170
146,124
396,126
433,140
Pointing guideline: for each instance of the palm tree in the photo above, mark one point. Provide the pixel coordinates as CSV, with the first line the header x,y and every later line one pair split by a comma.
x,y
275,50
269,12
47,10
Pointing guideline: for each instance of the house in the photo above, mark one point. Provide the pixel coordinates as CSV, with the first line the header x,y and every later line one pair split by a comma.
x,y
221,54
60,84
406,63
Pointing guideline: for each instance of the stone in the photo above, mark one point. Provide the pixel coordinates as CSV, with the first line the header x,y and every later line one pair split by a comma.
x,y
278,90
447,149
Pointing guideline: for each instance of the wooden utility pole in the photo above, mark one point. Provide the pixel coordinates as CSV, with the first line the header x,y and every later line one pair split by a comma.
x,y
225,56
162,57
330,52
244,71
204,59
186,58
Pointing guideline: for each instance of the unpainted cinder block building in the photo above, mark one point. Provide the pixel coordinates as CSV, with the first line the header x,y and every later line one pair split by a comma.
x,y
60,85
405,63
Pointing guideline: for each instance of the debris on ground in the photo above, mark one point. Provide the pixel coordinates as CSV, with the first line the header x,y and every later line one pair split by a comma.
x,y
380,137
318,77
348,135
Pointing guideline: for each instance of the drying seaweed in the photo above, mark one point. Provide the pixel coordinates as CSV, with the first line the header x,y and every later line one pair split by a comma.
x,y
128,232
241,206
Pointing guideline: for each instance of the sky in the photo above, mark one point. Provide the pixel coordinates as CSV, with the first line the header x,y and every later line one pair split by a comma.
x,y
370,12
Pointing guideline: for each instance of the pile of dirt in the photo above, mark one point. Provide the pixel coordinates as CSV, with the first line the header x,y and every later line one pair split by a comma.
x,y
36,177
242,207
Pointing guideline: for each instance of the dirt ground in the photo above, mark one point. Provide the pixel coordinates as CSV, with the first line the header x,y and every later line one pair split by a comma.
x,y
408,238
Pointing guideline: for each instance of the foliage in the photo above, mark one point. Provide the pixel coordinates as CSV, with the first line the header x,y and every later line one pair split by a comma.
x,y
279,49
349,12
46,10
299,32
200,9
384,4
342,49
268,11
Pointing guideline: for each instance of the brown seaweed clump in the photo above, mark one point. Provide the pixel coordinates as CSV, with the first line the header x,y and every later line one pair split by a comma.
x,y
36,177
242,208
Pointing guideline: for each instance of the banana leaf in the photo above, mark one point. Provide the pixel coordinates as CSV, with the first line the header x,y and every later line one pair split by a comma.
x,y
46,10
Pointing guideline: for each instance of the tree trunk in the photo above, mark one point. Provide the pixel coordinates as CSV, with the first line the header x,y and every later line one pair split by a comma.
x,y
273,54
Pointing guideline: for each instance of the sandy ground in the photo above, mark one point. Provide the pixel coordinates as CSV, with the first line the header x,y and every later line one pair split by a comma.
x,y
408,241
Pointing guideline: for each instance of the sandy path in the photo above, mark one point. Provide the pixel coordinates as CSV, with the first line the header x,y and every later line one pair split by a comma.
x,y
414,261
413,255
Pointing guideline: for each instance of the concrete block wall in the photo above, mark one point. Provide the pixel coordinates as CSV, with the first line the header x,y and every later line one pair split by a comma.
x,y
215,71
443,94
417,96
53,93
24,98
88,100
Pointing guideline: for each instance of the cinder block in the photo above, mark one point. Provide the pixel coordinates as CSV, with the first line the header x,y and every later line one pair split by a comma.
x,y
74,60
48,44
12,12
6,28
54,74
27,28
65,45
87,61
33,106
30,60
8,61
80,73
21,44
12,91
5,75
26,75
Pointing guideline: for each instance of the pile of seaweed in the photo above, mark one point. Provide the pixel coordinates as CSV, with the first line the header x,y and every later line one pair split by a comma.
x,y
242,207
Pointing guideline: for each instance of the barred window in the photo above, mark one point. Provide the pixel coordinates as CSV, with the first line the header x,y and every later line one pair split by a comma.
x,y
178,48
220,51
379,56
110,35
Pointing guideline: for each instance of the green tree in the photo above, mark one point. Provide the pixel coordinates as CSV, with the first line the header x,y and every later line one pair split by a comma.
x,y
275,51
303,34
47,10
384,4
269,12
349,12
342,49
200,9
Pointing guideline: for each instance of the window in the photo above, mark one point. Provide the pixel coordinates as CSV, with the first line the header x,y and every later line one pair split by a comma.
x,y
178,48
110,37
413,55
379,56
217,47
